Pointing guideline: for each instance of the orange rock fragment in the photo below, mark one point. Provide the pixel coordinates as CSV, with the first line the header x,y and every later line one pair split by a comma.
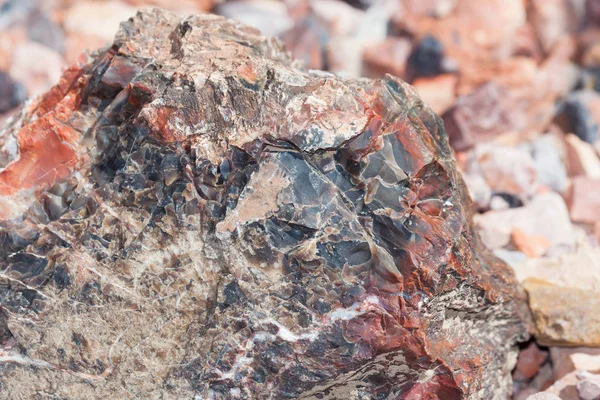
x,y
532,246
438,92
584,200
389,56
45,155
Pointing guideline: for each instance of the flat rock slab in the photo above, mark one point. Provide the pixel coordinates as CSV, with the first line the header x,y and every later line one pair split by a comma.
x,y
564,316
188,214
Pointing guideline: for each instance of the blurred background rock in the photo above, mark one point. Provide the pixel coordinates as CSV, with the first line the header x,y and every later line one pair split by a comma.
x,y
515,81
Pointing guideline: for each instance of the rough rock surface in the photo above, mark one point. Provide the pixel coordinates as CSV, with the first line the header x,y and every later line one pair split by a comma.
x,y
188,214
564,316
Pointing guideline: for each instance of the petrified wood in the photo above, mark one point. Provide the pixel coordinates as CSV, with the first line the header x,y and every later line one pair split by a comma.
x,y
190,214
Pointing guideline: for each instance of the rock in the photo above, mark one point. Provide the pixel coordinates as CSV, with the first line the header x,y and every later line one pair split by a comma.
x,y
16,12
590,59
479,117
564,316
591,78
36,76
565,388
575,116
498,203
588,386
532,246
107,17
472,32
513,74
4,118
9,41
523,394
569,359
11,93
345,53
307,41
268,16
438,92
221,224
584,200
552,20
526,43
579,270
320,25
84,33
9,146
546,215
510,199
77,44
298,9
387,57
340,18
361,4
375,25
543,396
426,58
581,158
511,257
345,57
547,156
587,361
529,362
43,30
540,382
432,8
182,7
479,190
506,170
593,9
554,79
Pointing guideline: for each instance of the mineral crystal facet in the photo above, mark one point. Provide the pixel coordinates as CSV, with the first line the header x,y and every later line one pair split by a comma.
x,y
189,213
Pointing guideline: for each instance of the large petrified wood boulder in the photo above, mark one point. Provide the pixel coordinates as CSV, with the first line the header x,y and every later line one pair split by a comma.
x,y
189,214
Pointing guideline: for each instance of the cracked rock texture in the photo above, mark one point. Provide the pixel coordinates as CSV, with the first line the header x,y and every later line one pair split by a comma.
x,y
189,213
